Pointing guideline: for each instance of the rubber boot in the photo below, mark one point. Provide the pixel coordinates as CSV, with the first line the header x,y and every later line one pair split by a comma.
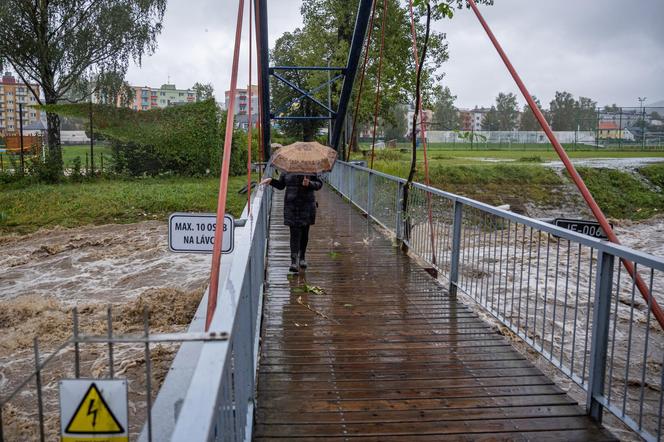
x,y
303,263
294,267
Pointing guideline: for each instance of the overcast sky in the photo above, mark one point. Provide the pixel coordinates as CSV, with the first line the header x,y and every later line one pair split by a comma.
x,y
609,50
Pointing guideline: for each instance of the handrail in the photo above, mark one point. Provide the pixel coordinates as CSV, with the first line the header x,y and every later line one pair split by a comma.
x,y
209,392
561,292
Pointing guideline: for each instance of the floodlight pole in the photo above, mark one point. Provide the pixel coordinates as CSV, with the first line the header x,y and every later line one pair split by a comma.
x,y
20,119
92,143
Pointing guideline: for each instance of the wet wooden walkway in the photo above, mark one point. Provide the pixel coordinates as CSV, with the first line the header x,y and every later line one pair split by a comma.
x,y
385,354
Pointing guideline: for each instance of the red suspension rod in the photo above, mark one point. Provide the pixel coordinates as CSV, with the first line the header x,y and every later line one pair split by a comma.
x,y
249,92
599,215
225,168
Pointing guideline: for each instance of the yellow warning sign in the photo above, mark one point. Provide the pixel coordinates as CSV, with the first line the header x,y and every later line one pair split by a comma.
x,y
93,416
93,410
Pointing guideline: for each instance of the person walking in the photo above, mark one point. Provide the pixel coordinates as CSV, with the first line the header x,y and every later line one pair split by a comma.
x,y
299,212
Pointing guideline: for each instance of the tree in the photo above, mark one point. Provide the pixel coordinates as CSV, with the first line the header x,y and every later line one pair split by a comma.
x,y
395,124
613,109
330,25
491,120
297,49
53,43
204,91
563,112
507,111
445,114
586,114
528,120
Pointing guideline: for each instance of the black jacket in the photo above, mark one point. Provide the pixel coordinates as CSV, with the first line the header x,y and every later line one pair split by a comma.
x,y
299,201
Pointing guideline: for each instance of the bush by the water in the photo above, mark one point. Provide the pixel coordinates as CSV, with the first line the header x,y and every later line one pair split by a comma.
x,y
622,195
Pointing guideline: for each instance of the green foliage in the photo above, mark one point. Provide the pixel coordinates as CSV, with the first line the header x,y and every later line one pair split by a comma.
x,y
395,125
75,174
445,114
655,174
327,31
528,121
183,140
388,155
53,43
203,91
491,120
621,195
507,112
569,114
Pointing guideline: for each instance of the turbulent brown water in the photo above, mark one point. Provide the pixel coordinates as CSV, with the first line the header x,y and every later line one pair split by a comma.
x,y
43,275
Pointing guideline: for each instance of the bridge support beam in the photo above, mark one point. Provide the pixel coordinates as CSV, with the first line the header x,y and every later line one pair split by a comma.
x,y
361,24
264,64
600,334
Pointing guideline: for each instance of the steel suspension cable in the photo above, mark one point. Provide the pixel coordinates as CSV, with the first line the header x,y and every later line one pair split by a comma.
x,y
380,68
580,184
225,168
424,137
362,74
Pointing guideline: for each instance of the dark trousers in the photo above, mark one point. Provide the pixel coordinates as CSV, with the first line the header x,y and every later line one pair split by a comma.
x,y
299,238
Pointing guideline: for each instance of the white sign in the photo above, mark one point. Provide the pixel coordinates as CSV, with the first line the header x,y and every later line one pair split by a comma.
x,y
93,410
194,232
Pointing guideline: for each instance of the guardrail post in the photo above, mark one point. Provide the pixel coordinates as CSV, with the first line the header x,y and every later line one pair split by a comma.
x,y
370,183
600,334
351,175
398,228
456,247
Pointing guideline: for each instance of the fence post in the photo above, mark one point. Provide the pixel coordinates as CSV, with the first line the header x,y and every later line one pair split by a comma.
x,y
456,247
398,228
351,176
600,334
370,184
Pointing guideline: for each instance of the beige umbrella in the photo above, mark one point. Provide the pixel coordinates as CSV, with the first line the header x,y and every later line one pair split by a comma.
x,y
304,157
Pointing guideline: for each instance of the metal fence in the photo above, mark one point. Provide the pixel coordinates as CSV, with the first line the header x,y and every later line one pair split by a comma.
x,y
30,410
563,293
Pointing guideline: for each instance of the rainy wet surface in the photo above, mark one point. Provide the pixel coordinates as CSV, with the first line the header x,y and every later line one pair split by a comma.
x,y
381,352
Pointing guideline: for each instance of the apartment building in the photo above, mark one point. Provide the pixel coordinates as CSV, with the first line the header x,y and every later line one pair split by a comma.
x,y
242,100
146,98
13,93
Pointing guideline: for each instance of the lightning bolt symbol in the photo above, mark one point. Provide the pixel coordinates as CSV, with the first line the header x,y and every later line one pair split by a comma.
x,y
92,410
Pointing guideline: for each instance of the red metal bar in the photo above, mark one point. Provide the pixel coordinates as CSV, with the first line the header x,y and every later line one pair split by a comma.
x,y
424,136
225,167
380,68
249,107
592,204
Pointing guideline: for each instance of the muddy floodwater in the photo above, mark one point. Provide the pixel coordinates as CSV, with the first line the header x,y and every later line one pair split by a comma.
x,y
45,274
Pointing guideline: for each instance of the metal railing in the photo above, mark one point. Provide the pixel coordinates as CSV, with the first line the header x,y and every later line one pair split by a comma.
x,y
209,392
563,293
212,397
30,410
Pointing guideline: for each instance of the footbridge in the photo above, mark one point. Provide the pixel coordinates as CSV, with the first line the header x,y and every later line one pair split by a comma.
x,y
501,328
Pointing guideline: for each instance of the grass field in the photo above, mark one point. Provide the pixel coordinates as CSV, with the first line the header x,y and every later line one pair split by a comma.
x,y
24,209
531,146
69,153
518,178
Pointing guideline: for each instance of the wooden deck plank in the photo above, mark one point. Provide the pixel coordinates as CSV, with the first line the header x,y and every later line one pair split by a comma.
x,y
385,354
